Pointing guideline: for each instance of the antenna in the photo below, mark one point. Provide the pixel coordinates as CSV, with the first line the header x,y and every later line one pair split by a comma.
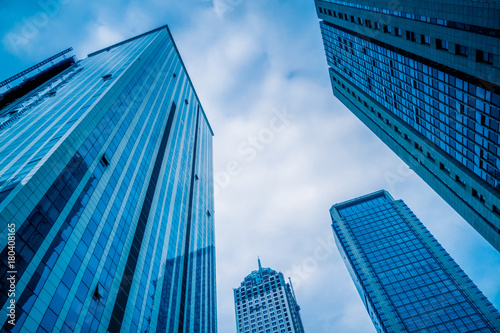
x,y
260,266
293,292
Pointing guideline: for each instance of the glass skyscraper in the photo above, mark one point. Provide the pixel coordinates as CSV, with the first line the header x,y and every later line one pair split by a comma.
x,y
106,195
265,303
424,77
407,281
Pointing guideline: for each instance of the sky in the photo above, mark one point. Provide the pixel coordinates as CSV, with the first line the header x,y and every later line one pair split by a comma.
x,y
285,150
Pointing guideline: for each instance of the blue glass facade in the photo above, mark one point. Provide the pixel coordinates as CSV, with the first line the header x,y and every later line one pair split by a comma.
x,y
265,303
106,173
406,280
428,86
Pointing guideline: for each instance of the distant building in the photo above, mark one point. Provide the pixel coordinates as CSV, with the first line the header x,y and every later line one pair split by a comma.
x,y
106,177
424,77
406,280
266,303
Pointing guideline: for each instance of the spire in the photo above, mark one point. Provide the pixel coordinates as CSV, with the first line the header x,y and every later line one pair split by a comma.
x,y
260,266
293,293
291,287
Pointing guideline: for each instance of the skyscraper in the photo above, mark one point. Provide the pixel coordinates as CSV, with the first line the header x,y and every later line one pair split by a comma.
x,y
424,77
407,281
106,188
264,302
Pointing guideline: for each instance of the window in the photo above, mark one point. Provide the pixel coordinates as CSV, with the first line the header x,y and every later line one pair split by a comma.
x,y
360,21
329,12
97,296
352,19
485,57
104,160
376,26
398,32
387,28
419,147
430,156
442,44
460,180
106,77
425,39
478,196
461,109
444,168
368,23
483,120
461,50
481,198
495,210
410,35
321,10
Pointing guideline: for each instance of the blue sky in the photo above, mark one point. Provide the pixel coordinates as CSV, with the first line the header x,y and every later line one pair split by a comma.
x,y
285,148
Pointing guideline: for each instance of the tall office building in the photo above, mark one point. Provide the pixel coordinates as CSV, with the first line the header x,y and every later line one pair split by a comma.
x,y
106,188
407,281
424,77
264,302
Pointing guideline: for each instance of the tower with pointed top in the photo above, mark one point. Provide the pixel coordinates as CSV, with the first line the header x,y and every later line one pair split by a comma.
x,y
264,302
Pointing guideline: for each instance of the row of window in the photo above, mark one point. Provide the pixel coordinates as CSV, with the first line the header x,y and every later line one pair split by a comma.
x,y
481,56
422,18
241,295
261,322
261,329
438,98
419,147
438,121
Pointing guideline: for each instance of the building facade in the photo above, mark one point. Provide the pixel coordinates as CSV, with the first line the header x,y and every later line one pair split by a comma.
x,y
107,191
264,302
425,79
407,281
